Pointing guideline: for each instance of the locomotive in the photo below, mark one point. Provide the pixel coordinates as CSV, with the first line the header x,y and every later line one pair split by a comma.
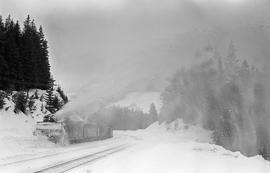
x,y
72,131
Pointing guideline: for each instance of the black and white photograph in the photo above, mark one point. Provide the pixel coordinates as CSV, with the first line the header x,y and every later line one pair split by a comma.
x,y
134,86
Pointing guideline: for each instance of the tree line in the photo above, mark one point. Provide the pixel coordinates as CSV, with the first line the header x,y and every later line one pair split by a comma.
x,y
52,100
24,59
225,95
124,118
24,66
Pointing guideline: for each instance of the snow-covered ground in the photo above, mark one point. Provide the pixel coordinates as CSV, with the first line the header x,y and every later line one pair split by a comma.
x,y
173,149
162,148
16,138
21,152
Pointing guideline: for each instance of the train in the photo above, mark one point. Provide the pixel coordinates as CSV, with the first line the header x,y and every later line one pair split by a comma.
x,y
84,132
72,131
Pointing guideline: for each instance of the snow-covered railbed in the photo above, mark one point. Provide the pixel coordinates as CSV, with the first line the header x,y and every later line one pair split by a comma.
x,y
66,155
82,160
162,148
20,151
175,148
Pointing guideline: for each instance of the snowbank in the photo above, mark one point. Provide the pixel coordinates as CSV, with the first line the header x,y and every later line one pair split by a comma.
x,y
176,130
176,148
16,136
181,158
16,130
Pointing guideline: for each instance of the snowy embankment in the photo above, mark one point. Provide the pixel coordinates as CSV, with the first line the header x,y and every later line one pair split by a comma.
x,y
16,138
176,148
16,130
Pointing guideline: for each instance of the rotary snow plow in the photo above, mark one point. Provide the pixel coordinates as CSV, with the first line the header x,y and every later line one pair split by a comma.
x,y
53,130
72,131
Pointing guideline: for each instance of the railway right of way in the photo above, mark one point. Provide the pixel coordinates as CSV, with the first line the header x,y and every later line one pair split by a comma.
x,y
77,162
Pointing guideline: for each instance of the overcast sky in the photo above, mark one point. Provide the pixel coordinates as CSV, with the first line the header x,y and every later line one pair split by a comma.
x,y
123,44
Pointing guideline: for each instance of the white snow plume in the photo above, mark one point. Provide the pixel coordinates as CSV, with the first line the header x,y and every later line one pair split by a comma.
x,y
103,91
79,112
225,95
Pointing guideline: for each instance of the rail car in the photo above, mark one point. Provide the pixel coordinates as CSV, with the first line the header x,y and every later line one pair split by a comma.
x,y
73,131
84,132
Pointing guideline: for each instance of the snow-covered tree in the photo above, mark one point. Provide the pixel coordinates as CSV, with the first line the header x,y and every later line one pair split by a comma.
x,y
2,101
49,98
62,95
20,102
229,99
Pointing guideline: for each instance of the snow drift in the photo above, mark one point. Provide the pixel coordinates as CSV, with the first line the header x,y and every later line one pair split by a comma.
x,y
173,148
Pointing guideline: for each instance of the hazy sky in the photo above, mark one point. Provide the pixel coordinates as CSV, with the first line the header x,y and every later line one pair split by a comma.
x,y
122,44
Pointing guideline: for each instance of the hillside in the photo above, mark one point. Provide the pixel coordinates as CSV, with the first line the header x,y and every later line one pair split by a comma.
x,y
16,126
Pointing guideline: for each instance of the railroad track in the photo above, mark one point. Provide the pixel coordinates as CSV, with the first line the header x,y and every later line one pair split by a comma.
x,y
74,163
51,155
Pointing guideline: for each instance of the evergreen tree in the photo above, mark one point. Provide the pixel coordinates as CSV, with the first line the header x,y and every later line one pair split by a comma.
x,y
36,94
44,61
27,48
49,99
31,104
35,57
20,102
3,62
264,153
12,54
153,113
56,104
2,26
62,94
17,61
53,103
2,101
24,60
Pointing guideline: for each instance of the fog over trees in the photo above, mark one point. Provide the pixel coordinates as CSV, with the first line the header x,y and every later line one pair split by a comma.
x,y
125,118
226,95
